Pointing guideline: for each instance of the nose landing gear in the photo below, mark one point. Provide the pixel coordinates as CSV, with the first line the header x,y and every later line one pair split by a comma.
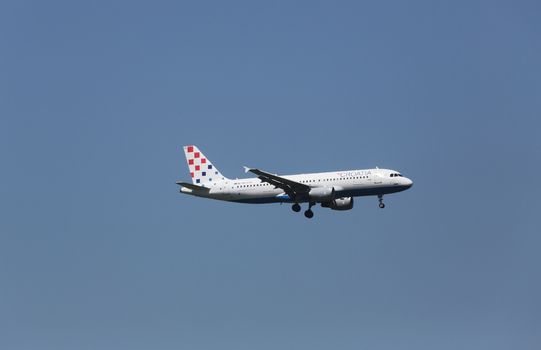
x,y
296,207
380,199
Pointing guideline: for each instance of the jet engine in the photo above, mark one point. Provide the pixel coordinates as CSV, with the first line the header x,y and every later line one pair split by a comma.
x,y
321,194
343,203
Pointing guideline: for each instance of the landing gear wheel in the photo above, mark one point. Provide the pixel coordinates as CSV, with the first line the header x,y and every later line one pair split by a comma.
x,y
309,214
296,207
382,205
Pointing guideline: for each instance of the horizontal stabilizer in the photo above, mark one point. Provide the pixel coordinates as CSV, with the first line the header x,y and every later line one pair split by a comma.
x,y
192,186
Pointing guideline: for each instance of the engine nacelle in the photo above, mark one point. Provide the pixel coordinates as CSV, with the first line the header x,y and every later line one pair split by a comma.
x,y
344,203
321,194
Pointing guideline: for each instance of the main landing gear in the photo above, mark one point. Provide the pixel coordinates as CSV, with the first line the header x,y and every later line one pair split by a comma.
x,y
308,213
381,204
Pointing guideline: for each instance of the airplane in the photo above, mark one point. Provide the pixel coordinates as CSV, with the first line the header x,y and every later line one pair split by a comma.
x,y
334,190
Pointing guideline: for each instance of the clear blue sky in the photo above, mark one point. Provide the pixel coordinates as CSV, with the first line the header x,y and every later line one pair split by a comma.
x,y
98,250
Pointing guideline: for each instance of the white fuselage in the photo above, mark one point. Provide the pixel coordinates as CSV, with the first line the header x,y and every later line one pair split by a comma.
x,y
348,183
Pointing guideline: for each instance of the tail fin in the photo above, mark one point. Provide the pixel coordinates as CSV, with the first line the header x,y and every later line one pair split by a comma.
x,y
202,170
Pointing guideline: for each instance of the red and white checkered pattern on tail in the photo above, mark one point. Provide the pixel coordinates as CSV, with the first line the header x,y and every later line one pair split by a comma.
x,y
202,170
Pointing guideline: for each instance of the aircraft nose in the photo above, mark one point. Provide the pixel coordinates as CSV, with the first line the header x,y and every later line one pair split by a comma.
x,y
408,183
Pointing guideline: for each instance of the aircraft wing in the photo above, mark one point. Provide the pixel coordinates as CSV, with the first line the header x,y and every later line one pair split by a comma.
x,y
292,188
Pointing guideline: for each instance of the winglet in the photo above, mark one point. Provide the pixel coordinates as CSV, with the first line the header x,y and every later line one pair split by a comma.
x,y
247,169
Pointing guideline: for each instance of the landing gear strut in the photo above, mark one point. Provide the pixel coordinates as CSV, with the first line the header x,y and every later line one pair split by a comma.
x,y
296,207
381,204
309,213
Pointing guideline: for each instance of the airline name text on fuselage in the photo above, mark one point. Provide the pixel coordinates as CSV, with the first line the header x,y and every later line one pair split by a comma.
x,y
354,173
